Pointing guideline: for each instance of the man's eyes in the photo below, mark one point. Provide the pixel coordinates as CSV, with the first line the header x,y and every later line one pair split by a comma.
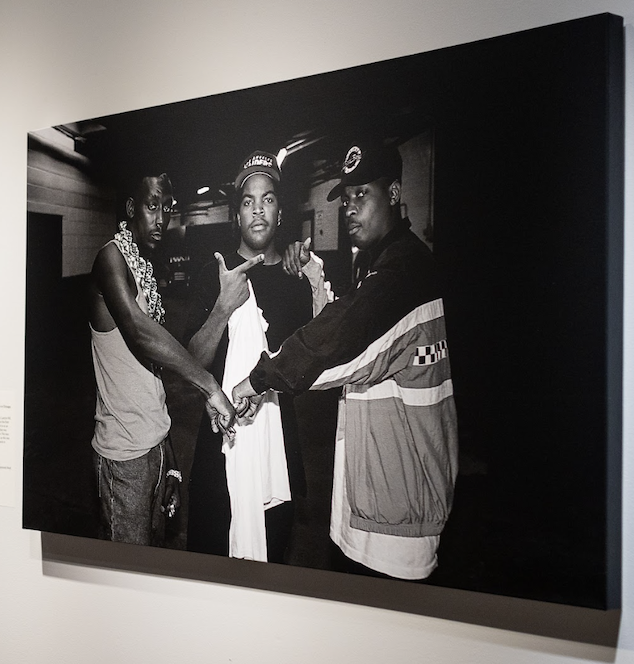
x,y
357,194
155,206
269,200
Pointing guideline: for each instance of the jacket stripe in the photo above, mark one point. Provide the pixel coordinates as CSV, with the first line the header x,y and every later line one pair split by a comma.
x,y
389,389
422,314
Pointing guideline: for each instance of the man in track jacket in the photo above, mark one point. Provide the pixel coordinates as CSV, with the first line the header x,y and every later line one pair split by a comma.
x,y
385,344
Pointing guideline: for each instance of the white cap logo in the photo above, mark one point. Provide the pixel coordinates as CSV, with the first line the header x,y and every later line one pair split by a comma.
x,y
258,160
352,160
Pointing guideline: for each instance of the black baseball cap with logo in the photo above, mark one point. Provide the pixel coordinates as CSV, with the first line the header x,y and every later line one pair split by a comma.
x,y
367,162
261,162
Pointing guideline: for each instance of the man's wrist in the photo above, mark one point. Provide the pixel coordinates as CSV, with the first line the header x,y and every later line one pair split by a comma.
x,y
210,387
257,384
223,310
314,269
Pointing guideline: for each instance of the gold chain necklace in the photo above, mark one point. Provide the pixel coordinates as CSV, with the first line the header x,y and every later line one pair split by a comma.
x,y
143,272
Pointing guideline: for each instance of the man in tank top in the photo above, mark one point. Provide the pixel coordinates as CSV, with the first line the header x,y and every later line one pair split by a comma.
x,y
137,473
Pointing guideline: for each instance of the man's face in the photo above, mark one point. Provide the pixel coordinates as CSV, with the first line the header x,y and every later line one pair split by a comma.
x,y
259,212
150,212
369,211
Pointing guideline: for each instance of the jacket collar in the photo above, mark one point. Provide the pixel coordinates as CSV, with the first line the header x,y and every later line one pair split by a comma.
x,y
401,227
366,259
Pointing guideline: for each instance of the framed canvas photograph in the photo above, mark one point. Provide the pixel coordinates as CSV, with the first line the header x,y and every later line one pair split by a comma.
x,y
487,460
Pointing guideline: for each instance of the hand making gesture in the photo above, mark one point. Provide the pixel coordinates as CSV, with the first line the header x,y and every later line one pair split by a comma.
x,y
295,257
234,291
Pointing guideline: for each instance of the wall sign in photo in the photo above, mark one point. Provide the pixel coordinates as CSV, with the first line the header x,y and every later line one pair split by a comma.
x,y
489,279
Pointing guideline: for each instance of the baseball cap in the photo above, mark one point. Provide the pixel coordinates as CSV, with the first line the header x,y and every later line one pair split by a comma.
x,y
258,162
367,162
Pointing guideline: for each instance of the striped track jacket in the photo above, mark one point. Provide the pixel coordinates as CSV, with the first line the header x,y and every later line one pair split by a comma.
x,y
385,344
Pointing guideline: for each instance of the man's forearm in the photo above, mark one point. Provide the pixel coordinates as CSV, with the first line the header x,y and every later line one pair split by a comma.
x,y
170,458
204,344
152,342
340,333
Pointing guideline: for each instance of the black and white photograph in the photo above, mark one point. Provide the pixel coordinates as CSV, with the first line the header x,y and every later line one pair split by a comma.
x,y
366,322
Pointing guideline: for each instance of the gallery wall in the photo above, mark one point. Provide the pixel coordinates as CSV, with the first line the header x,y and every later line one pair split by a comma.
x,y
71,60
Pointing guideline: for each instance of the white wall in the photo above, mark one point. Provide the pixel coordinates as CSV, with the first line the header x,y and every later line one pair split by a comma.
x,y
71,59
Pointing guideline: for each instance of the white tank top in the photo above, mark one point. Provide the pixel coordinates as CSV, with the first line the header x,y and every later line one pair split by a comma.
x,y
131,415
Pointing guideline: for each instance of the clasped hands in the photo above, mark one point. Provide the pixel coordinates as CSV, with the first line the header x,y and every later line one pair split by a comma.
x,y
223,415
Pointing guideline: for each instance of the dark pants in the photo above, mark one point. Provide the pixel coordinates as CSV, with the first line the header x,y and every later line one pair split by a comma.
x,y
210,510
131,495
209,505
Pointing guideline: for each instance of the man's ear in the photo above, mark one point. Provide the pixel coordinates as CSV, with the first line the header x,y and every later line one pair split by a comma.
x,y
395,193
129,208
238,219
